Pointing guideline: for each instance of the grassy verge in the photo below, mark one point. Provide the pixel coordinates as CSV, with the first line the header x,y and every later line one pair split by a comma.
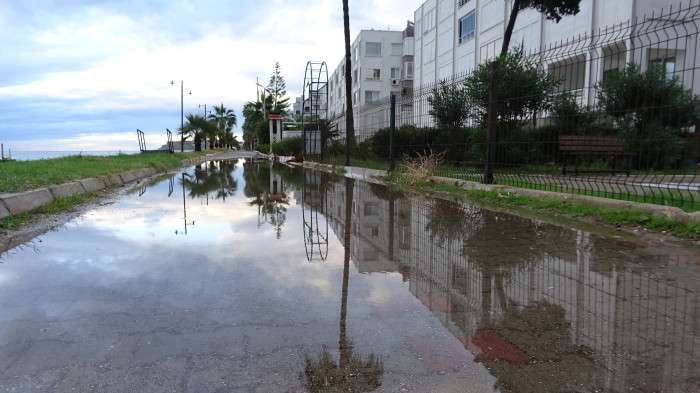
x,y
57,206
17,176
552,206
680,199
364,163
524,179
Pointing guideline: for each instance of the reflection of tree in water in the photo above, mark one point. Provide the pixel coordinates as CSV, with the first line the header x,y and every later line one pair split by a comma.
x,y
450,221
352,373
503,244
214,178
271,208
531,351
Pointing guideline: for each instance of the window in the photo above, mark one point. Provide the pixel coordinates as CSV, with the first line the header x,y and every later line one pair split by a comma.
x,y
396,49
374,74
429,21
395,73
408,70
467,26
371,96
667,64
463,2
355,76
373,49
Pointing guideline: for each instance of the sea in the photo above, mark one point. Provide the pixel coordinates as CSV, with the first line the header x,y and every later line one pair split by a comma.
x,y
40,155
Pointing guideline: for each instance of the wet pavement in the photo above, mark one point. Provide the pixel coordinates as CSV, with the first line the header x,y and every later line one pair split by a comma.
x,y
238,277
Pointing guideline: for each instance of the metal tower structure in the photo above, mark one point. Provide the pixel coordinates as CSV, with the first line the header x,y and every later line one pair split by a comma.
x,y
315,98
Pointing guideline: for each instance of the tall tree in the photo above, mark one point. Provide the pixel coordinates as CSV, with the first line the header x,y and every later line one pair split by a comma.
x,y
255,124
551,9
349,121
224,119
196,126
278,90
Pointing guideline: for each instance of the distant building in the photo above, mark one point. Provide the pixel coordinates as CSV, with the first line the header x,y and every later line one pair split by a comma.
x,y
298,107
378,70
189,146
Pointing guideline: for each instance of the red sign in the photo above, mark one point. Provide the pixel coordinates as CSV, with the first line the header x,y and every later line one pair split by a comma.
x,y
275,116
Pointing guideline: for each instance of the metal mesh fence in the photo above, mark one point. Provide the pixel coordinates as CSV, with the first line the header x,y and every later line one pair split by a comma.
x,y
613,114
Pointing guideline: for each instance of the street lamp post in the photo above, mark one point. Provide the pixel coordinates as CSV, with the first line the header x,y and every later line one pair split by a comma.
x,y
205,117
182,113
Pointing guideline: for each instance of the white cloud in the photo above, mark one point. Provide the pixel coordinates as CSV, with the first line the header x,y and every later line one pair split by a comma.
x,y
131,63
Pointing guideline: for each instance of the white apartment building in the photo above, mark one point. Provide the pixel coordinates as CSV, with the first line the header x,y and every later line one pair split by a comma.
x,y
298,107
453,36
382,63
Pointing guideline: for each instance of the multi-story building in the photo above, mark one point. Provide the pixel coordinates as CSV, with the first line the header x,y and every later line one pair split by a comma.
x,y
298,107
453,36
381,65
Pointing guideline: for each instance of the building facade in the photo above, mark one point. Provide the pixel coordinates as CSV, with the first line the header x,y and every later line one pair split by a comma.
x,y
382,64
452,37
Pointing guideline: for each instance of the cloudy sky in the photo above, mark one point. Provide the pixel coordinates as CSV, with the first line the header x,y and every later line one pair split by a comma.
x,y
84,74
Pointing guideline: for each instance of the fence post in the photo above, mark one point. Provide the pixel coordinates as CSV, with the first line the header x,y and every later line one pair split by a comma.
x,y
491,126
392,130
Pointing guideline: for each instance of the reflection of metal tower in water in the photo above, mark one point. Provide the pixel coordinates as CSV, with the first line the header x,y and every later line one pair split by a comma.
x,y
313,202
315,91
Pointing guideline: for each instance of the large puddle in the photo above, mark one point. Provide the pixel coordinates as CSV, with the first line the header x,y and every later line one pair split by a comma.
x,y
239,277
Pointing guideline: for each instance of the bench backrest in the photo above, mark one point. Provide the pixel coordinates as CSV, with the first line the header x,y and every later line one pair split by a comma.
x,y
606,144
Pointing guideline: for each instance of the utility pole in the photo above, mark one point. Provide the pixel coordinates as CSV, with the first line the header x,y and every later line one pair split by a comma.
x,y
205,117
182,113
182,117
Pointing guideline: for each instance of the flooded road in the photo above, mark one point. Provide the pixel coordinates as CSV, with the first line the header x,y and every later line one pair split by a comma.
x,y
238,277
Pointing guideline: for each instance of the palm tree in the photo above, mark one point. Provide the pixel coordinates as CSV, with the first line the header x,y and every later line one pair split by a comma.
x,y
225,120
349,121
255,114
195,127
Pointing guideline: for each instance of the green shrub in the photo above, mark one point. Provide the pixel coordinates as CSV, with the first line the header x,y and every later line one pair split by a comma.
x,y
449,105
289,147
653,111
522,88
411,141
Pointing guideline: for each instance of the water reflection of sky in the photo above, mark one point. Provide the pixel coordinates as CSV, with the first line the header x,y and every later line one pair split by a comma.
x,y
121,299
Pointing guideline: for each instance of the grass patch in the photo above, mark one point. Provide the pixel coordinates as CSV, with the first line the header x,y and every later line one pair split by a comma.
x,y
606,215
17,176
364,163
57,206
680,199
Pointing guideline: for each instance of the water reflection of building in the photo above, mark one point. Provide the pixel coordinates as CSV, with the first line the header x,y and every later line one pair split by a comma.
x,y
585,312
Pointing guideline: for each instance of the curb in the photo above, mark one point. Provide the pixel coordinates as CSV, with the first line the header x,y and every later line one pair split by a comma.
x,y
22,202
661,211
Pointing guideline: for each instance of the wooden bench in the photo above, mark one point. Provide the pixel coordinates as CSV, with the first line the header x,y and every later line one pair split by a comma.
x,y
574,146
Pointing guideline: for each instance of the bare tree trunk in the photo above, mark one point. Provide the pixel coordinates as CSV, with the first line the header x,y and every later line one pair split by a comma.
x,y
511,25
349,118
